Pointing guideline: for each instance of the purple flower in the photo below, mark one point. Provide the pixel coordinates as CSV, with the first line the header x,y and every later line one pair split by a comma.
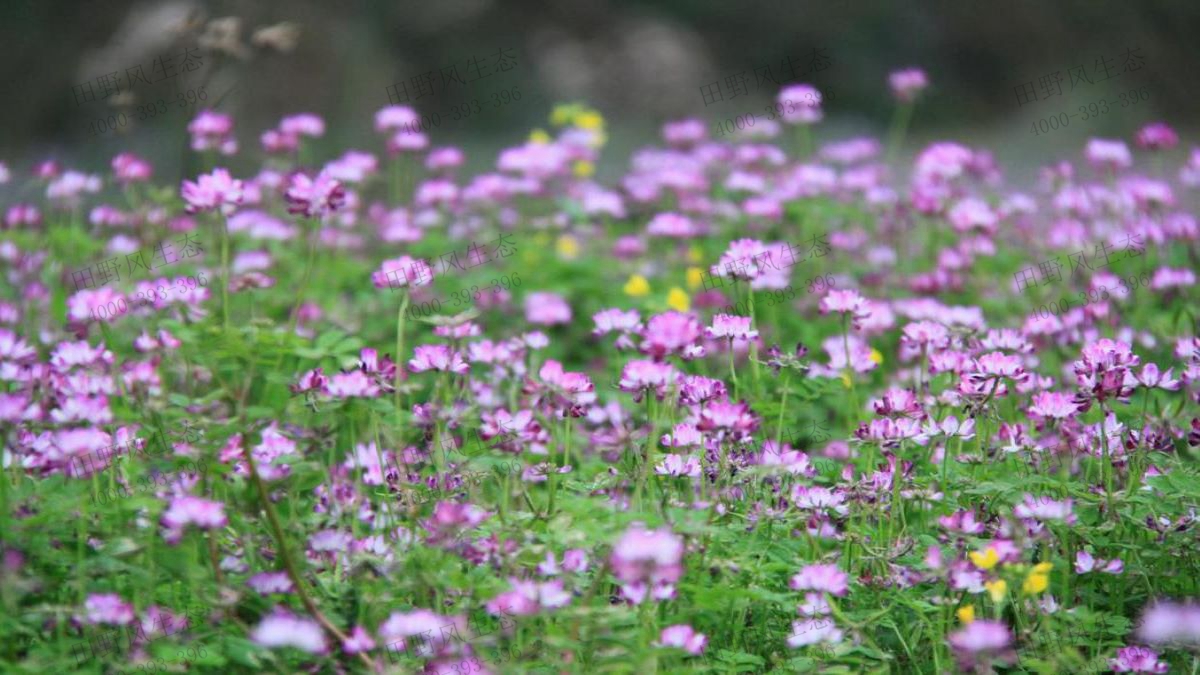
x,y
732,327
814,631
683,637
669,333
1044,508
217,190
641,557
980,640
821,577
284,629
402,272
437,357
547,309
108,608
1167,622
1108,154
1137,660
1157,136
907,84
314,197
800,103
266,583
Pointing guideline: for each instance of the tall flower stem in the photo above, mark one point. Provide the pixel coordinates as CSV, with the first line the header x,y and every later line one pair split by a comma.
x,y
753,344
225,270
849,373
401,316
312,252
1106,468
899,130
733,371
286,557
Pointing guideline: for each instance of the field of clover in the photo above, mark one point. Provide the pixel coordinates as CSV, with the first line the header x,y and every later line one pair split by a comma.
x,y
768,402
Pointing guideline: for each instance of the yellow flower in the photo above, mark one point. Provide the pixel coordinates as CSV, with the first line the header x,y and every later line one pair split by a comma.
x,y
677,299
562,114
695,277
695,255
590,119
966,613
1035,583
997,589
539,137
985,560
1042,568
876,356
637,286
568,247
583,169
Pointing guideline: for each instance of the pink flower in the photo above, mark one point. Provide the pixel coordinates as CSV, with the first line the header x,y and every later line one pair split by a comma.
x,y
673,225
821,577
641,557
1171,623
444,158
1137,660
353,384
814,631
819,499
1084,563
1044,508
437,357
1104,370
187,510
683,636
212,191
684,132
303,124
402,625
395,118
266,583
846,301
213,131
108,608
314,197
639,376
1054,405
284,629
1108,154
981,639
358,641
800,104
678,465
129,168
732,327
528,597
402,272
973,214
669,333
624,321
547,309
1157,136
907,84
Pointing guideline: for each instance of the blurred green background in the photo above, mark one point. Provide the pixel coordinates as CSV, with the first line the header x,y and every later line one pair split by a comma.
x,y
639,62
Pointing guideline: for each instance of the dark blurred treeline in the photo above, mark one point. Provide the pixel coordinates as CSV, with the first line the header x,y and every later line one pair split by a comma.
x,y
638,61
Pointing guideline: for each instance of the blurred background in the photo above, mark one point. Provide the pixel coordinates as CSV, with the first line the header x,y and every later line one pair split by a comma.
x,y
491,70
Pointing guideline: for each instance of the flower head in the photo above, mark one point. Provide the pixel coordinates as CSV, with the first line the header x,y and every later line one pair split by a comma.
x,y
217,190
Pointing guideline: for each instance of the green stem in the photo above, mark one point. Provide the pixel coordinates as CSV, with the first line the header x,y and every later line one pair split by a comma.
x,y
899,130
312,250
225,271
400,319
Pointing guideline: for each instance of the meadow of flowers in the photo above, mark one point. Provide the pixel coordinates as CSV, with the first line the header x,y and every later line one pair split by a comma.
x,y
769,402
